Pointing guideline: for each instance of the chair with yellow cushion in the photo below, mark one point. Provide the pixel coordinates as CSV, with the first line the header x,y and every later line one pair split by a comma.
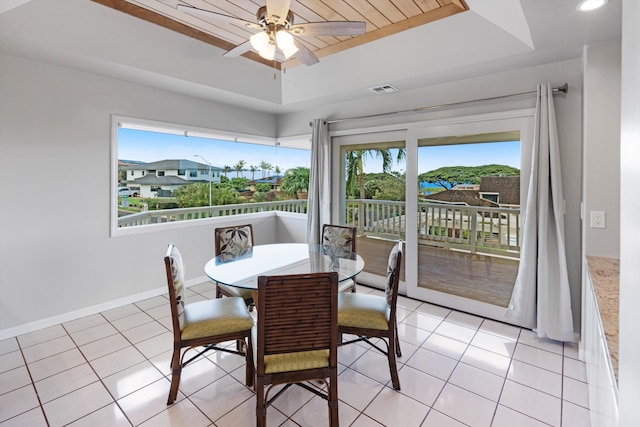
x,y
233,241
373,316
341,237
296,337
202,324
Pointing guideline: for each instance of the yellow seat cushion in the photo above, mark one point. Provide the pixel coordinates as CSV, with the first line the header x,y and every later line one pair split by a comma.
x,y
287,362
237,292
215,317
363,311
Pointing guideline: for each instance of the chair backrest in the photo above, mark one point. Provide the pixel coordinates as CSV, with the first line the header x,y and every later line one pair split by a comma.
x,y
339,236
234,240
393,275
297,313
175,281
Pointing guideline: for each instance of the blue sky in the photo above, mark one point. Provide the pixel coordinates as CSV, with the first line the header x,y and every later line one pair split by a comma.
x,y
152,146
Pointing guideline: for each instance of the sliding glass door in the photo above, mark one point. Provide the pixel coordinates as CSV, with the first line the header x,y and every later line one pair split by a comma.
x,y
452,193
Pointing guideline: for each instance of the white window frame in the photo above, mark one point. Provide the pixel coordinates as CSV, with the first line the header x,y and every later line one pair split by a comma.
x,y
299,142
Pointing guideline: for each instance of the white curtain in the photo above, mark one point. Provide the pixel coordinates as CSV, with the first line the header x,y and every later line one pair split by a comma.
x,y
541,298
319,203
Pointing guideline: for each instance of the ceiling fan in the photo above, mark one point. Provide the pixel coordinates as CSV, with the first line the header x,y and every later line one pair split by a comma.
x,y
275,28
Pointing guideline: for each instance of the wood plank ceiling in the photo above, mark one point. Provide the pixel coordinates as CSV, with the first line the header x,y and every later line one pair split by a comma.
x,y
382,17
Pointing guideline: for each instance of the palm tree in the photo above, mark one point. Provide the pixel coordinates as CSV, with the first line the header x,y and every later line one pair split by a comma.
x,y
355,161
296,180
277,170
253,170
264,166
238,167
226,169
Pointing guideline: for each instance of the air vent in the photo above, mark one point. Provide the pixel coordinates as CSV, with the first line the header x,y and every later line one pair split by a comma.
x,y
383,89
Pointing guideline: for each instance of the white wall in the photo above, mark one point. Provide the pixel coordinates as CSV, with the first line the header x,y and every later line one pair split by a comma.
x,y
601,150
56,255
629,368
568,112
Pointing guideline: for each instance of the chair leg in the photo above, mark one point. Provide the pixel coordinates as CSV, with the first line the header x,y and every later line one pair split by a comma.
x,y
249,367
398,351
261,410
218,291
176,370
333,399
393,368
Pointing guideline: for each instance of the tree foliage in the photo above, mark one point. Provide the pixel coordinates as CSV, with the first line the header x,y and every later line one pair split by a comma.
x,y
355,161
449,176
194,195
295,180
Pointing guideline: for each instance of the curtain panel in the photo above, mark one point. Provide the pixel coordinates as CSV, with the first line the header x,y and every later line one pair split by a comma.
x,y
541,297
319,201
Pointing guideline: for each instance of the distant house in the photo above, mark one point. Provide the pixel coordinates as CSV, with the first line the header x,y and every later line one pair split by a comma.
x,y
275,181
493,191
161,178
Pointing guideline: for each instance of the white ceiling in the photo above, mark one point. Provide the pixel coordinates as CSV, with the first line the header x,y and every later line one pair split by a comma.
x,y
494,35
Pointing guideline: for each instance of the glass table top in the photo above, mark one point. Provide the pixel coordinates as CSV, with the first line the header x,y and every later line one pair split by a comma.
x,y
282,258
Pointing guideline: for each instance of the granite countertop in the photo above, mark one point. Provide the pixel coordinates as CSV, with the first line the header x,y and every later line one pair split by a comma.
x,y
605,276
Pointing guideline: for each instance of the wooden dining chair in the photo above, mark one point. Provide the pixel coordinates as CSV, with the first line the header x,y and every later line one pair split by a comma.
x,y
233,241
373,316
296,338
343,237
202,324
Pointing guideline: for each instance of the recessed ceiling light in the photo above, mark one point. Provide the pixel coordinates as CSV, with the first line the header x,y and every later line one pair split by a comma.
x,y
591,4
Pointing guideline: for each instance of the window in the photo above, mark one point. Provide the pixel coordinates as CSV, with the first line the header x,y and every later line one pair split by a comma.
x,y
197,170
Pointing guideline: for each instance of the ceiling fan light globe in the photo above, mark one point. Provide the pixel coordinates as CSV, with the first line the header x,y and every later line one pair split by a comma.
x,y
290,51
259,41
268,52
284,40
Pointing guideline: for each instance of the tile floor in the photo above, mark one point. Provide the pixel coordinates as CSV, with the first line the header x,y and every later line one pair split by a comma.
x,y
112,369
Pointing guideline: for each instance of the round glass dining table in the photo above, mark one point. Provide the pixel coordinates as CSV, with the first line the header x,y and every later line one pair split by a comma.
x,y
242,270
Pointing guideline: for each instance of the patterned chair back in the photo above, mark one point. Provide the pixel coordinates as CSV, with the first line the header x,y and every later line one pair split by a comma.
x,y
175,280
234,241
339,236
393,274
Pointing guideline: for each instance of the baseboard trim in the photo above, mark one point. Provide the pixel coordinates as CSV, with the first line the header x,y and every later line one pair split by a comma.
x,y
88,311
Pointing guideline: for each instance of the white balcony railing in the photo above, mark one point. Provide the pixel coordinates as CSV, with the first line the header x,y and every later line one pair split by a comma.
x,y
469,228
186,214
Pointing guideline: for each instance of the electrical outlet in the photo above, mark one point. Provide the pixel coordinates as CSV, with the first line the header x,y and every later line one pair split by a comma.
x,y
597,219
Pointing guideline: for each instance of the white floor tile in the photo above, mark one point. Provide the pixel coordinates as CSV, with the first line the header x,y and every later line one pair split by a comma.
x,y
94,333
9,345
445,346
506,417
48,348
416,384
84,323
120,312
534,377
422,321
144,332
465,406
55,364
477,381
183,413
12,360
358,390
456,332
17,401
393,408
500,329
433,310
432,363
65,382
147,402
221,397
108,416
495,343
531,402
464,319
42,335
540,358
575,416
131,379
32,418
575,369
14,379
576,392
116,361
412,334
77,404
104,346
154,346
531,338
438,419
315,413
133,320
486,360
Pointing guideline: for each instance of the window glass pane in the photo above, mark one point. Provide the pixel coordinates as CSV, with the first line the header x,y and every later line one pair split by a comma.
x,y
469,215
174,177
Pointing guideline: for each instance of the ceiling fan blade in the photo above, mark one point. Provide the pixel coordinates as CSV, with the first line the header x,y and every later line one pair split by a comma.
x,y
305,55
238,50
202,13
330,28
277,10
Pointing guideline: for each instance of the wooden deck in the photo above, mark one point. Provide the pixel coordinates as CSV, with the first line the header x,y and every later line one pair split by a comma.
x,y
479,277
